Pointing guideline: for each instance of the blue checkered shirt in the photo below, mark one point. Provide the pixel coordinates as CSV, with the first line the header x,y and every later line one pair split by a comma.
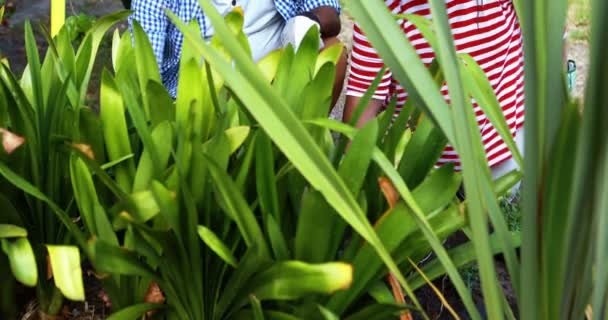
x,y
167,40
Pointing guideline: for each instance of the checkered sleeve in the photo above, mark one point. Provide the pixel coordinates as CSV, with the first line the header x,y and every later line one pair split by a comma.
x,y
150,15
290,8
308,5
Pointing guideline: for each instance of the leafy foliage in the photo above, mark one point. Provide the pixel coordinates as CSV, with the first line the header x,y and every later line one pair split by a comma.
x,y
563,228
45,109
237,202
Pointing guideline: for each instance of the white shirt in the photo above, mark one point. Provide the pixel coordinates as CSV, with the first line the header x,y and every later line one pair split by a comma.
x,y
263,24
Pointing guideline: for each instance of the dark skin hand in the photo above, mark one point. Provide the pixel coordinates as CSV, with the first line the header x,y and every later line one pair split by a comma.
x,y
330,21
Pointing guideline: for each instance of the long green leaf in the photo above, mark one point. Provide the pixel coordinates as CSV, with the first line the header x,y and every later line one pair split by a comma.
x,y
531,16
237,208
109,258
277,239
161,104
115,131
594,122
138,116
265,181
600,292
256,306
34,67
87,57
12,231
319,231
472,156
147,69
162,137
134,312
30,189
84,192
214,243
252,261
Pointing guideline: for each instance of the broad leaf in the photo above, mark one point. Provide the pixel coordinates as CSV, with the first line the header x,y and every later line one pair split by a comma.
x,y
67,273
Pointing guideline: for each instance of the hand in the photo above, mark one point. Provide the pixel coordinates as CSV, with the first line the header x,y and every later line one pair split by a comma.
x,y
295,30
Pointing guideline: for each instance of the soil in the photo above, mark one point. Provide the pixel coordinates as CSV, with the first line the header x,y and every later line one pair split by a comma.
x,y
37,12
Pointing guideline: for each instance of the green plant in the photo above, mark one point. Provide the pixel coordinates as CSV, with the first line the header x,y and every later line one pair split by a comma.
x,y
276,116
1,22
6,11
78,26
175,193
562,273
261,225
46,109
233,194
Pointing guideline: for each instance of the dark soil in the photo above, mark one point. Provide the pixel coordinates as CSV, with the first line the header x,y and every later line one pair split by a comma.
x,y
37,12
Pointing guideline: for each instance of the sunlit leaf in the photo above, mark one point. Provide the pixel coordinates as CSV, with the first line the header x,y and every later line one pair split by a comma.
x,y
22,260
67,273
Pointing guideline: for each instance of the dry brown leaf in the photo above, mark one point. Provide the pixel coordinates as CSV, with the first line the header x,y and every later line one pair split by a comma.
x,y
398,294
85,149
589,312
388,189
49,269
103,296
438,292
154,295
11,141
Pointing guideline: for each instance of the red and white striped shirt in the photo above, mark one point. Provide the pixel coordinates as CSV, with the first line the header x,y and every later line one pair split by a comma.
x,y
487,30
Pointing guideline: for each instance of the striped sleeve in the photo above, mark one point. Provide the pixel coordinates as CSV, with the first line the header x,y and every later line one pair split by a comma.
x,y
365,64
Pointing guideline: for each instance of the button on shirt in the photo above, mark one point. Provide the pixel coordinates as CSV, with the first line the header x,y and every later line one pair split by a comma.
x,y
264,20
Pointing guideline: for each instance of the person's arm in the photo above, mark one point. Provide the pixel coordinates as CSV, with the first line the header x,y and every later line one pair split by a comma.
x,y
328,14
152,18
329,21
368,114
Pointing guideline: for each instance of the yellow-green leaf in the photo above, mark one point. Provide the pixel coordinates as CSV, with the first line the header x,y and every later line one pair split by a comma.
x,y
12,231
67,273
22,260
217,245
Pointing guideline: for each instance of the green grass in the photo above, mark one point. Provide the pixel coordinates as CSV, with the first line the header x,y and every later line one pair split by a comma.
x,y
511,209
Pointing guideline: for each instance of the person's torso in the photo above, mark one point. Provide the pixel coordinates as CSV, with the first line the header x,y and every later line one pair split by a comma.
x,y
479,27
262,23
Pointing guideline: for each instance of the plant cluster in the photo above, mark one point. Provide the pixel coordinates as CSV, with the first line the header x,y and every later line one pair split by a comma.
x,y
236,202
233,195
